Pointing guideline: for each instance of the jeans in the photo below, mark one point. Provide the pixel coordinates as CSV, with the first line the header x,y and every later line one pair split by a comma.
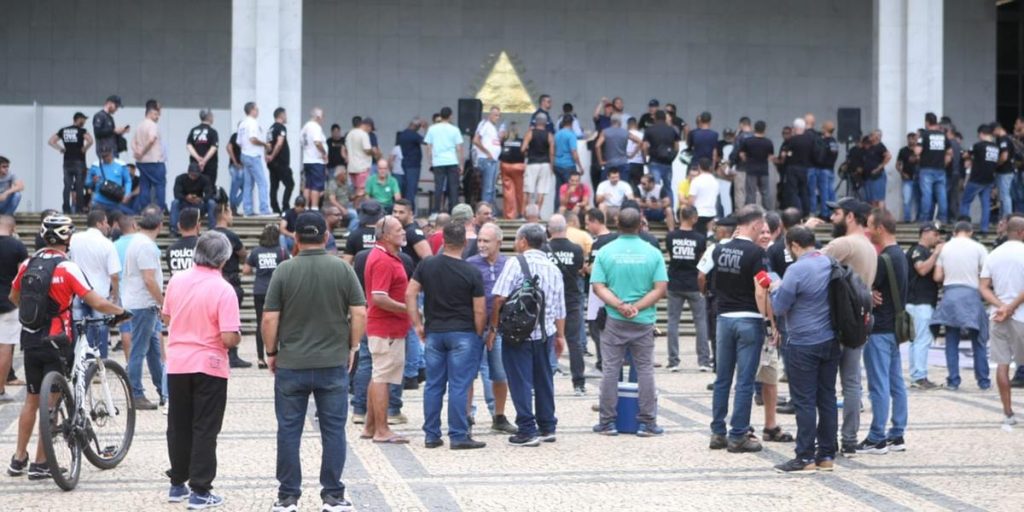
x,y
453,358
488,175
237,182
492,369
909,196
10,205
211,212
812,371
446,178
972,189
849,375
98,335
981,371
74,186
152,180
145,346
922,316
885,386
411,186
530,385
932,183
698,310
361,382
413,355
739,350
813,177
826,190
291,397
1005,184
662,174
254,175
194,419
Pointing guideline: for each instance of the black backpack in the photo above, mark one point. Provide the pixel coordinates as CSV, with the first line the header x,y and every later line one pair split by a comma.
x,y
36,308
850,303
523,309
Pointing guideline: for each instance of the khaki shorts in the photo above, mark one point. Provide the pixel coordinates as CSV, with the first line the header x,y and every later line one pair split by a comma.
x,y
538,179
388,356
10,328
1007,342
768,368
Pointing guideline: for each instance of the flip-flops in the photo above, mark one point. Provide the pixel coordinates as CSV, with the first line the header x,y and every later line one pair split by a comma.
x,y
395,439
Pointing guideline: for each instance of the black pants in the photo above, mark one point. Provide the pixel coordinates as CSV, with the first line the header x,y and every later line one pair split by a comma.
x,y
280,174
796,192
257,300
74,183
211,172
446,180
194,417
573,319
236,283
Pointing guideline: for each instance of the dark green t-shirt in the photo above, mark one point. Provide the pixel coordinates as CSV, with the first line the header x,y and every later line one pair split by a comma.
x,y
313,293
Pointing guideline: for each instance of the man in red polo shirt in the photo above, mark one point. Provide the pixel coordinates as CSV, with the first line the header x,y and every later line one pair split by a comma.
x,y
386,327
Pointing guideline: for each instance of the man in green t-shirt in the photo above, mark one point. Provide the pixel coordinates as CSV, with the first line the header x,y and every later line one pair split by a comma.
x,y
314,308
384,187
629,276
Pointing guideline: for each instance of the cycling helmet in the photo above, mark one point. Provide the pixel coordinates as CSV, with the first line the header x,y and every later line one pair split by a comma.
x,y
57,229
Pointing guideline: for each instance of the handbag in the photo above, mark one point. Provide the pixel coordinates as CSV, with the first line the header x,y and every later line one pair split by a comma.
x,y
903,323
109,188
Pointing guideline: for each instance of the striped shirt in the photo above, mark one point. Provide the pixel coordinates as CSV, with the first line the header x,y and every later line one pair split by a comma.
x,y
550,283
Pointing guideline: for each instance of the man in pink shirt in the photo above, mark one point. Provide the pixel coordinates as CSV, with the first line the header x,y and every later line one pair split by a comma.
x,y
148,150
201,312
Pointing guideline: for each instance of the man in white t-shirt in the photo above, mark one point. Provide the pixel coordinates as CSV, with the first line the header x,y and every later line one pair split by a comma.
x,y
254,149
95,255
314,158
703,195
613,191
961,310
1002,286
486,148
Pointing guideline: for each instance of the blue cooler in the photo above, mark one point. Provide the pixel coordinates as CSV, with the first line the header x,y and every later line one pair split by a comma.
x,y
628,407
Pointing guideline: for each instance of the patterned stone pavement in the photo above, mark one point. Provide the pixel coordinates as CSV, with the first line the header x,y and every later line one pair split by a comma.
x,y
958,458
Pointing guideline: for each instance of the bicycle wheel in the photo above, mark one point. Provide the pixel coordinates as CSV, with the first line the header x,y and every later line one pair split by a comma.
x,y
57,431
110,430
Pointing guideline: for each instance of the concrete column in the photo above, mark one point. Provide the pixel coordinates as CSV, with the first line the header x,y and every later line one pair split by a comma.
x,y
266,61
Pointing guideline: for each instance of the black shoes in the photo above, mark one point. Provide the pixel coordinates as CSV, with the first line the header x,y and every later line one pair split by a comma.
x,y
410,383
468,444
869,448
797,466
502,425
748,444
718,442
239,363
524,440
433,443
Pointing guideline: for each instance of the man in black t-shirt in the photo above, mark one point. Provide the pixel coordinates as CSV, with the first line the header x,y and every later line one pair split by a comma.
x,y
179,254
876,157
799,160
335,150
1005,170
237,174
416,244
908,164
108,135
685,247
826,164
741,331
365,235
232,270
568,257
984,164
922,295
73,142
203,144
278,161
754,152
194,190
287,223
661,143
934,153
779,257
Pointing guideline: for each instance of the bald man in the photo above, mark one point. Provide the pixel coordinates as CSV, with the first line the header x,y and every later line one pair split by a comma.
x,y
383,187
314,158
1002,286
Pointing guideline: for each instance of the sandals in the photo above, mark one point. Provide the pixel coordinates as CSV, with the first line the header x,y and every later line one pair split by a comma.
x,y
776,435
261,364
395,439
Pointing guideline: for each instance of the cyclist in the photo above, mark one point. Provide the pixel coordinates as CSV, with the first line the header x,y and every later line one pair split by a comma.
x,y
67,283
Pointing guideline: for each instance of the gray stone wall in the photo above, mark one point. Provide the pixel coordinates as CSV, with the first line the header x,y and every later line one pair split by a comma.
x,y
969,84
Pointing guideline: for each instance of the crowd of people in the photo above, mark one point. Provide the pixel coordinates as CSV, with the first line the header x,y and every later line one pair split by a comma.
x,y
410,300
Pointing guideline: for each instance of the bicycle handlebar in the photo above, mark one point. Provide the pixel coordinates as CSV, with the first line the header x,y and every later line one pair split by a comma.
x,y
110,320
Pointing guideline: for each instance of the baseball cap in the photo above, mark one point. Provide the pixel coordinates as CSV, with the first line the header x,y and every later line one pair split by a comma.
x,y
929,226
852,205
115,99
653,103
461,213
310,227
370,212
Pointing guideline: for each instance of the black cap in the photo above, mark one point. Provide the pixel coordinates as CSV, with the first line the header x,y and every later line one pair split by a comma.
x,y
370,212
310,227
653,103
852,205
929,226
115,99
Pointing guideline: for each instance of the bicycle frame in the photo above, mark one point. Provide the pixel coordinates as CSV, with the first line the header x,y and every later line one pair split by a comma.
x,y
83,353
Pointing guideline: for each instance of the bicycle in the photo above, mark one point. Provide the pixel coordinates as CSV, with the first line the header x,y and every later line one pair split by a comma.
x,y
96,418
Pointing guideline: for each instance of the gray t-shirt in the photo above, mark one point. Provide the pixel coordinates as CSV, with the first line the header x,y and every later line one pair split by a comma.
x,y
7,181
142,254
616,139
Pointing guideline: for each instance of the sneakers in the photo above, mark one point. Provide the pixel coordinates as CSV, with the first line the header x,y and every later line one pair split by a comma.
x,y
204,501
718,442
606,429
673,368
924,384
286,504
547,437
649,430
5,397
524,440
848,450
896,444
398,419
239,363
501,425
39,471
1008,421
579,391
705,368
359,419
17,467
869,448
747,444
826,464
143,404
468,444
178,493
334,504
797,467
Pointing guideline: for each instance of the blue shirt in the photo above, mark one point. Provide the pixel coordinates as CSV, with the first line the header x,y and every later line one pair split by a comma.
x,y
703,143
115,171
565,144
800,298
410,142
489,273
121,245
443,139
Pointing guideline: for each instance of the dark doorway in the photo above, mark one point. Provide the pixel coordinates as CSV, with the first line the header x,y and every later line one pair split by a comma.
x,y
1009,61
